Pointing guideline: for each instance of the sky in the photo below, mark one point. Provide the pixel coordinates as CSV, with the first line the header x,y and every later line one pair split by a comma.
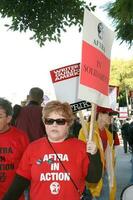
x,y
24,64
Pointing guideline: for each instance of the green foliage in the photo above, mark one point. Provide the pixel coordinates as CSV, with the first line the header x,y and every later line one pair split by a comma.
x,y
122,13
122,75
45,18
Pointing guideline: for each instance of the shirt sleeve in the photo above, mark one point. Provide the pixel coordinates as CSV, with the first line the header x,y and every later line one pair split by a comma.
x,y
16,189
95,168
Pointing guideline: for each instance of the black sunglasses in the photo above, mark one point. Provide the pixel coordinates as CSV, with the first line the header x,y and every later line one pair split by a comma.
x,y
59,121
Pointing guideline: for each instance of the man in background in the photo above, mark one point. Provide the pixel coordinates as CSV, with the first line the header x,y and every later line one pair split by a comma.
x,y
30,116
130,141
125,134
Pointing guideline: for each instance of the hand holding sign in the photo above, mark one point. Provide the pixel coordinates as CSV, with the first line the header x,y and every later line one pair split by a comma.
x,y
91,147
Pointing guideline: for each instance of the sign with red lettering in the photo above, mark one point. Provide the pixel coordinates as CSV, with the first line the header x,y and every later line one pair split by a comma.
x,y
95,64
65,81
123,113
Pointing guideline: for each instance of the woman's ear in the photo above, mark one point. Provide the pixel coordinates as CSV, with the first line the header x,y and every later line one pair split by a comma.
x,y
9,119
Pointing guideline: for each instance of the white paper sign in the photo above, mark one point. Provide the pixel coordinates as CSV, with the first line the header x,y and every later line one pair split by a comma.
x,y
65,81
95,64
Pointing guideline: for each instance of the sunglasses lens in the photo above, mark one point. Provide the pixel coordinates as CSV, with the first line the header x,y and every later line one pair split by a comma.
x,y
59,121
49,121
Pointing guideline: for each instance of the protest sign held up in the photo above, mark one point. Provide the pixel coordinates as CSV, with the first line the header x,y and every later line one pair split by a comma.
x,y
95,64
65,81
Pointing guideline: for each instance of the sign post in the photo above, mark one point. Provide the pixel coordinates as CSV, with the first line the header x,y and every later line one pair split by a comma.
x,y
93,117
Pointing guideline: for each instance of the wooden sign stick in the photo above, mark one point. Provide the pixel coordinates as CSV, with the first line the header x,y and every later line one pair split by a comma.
x,y
93,118
83,124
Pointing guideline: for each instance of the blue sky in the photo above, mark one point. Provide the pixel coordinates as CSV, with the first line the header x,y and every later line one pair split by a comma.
x,y
24,64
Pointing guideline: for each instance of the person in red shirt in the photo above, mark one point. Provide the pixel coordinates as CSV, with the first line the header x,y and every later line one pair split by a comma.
x,y
13,142
56,166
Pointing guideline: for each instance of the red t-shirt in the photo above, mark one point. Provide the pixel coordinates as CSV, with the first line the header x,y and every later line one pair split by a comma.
x,y
12,145
48,178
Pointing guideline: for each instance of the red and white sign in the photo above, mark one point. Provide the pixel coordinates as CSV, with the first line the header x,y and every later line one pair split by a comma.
x,y
123,113
65,81
113,93
95,64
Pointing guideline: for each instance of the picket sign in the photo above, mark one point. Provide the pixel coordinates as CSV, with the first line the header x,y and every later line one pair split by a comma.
x,y
95,65
95,62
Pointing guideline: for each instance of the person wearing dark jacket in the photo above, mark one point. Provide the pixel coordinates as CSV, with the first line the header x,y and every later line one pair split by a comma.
x,y
130,140
16,111
124,133
76,126
29,118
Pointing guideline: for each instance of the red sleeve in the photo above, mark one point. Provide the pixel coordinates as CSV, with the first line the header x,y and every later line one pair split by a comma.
x,y
25,141
24,168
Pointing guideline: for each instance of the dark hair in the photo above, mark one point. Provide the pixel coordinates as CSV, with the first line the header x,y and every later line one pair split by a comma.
x,y
6,105
36,94
16,111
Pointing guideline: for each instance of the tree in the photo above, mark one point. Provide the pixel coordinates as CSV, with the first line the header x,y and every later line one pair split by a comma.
x,y
122,75
121,11
45,18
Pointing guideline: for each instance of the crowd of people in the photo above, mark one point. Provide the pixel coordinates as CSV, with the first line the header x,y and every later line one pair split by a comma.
x,y
44,150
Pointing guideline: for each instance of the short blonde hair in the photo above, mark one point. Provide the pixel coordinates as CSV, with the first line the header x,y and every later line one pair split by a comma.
x,y
62,108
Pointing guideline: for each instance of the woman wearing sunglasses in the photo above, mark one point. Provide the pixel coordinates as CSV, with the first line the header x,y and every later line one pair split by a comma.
x,y
56,166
